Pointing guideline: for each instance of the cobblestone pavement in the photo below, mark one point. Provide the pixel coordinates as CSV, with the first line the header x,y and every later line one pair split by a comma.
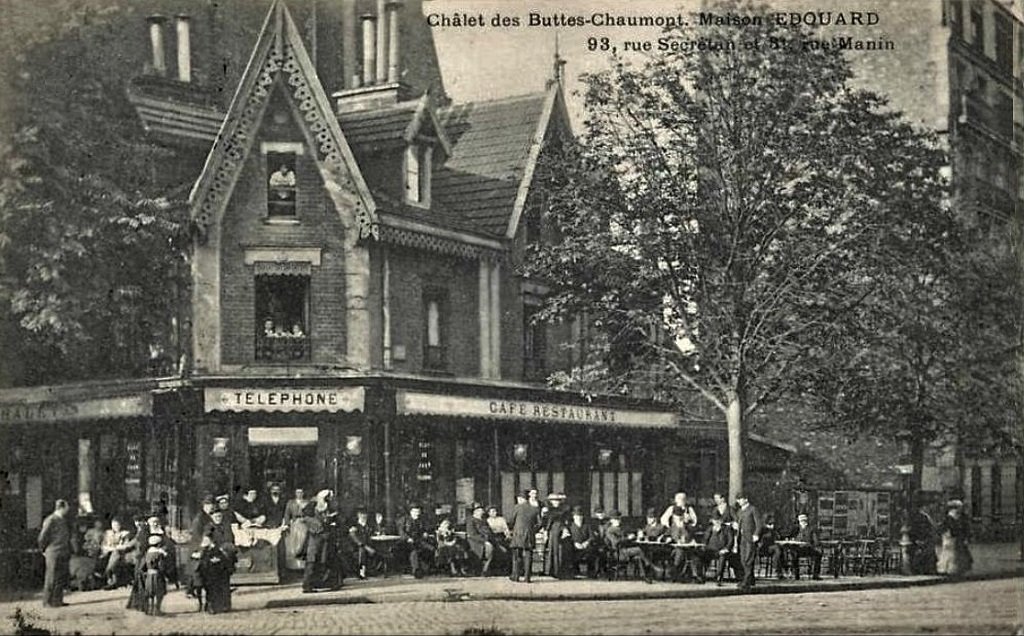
x,y
980,607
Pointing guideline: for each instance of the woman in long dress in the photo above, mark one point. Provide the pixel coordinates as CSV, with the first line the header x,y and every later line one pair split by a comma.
x,y
954,555
297,529
557,529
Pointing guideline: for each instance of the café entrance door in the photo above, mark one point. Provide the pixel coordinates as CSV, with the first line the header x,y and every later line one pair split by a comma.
x,y
284,455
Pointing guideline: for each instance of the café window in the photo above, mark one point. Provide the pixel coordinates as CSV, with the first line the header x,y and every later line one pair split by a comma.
x,y
435,318
280,161
282,314
418,161
956,13
535,345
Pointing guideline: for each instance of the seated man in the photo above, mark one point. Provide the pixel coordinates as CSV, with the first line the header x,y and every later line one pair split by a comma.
x,y
418,539
681,534
767,545
483,541
689,514
365,555
718,546
381,526
116,542
248,510
615,539
583,540
807,534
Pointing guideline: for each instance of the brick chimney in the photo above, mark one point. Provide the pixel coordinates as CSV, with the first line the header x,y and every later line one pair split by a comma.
x,y
378,83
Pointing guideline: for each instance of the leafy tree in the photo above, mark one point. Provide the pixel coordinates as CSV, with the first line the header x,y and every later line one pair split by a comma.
x,y
91,242
737,207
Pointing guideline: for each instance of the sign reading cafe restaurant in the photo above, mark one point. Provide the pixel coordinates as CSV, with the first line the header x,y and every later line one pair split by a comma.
x,y
413,403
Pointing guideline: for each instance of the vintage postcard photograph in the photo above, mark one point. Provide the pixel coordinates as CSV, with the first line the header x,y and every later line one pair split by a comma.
x,y
511,317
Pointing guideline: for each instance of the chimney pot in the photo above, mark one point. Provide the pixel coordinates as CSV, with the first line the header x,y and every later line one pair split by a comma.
x,y
393,9
156,41
184,49
369,49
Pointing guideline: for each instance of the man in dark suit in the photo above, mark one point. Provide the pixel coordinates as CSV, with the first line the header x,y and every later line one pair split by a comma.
x,y
584,542
809,535
481,539
273,506
417,536
362,546
718,546
750,531
55,544
524,521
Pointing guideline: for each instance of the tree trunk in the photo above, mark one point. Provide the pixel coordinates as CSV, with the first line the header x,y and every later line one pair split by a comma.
x,y
917,461
735,425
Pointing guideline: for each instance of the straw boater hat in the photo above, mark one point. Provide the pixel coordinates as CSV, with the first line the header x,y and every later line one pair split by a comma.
x,y
556,496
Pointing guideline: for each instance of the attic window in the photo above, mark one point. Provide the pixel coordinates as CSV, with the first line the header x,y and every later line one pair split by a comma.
x,y
418,161
280,162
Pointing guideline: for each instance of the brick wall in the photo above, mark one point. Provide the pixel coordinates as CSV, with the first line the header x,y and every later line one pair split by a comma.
x,y
411,272
244,225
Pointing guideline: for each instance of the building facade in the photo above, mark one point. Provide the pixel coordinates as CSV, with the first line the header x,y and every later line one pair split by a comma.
x,y
357,322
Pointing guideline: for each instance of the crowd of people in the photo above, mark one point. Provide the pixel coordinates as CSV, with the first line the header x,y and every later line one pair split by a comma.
x,y
673,545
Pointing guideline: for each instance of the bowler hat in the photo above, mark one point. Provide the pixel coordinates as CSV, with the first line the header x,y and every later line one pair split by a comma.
x,y
615,514
577,510
208,499
651,512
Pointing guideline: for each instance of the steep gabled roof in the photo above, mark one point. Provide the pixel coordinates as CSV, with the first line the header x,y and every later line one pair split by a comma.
x,y
279,57
495,147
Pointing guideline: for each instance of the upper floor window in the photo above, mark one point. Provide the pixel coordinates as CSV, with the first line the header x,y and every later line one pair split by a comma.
x,y
418,164
282,315
956,17
535,345
977,27
435,323
1004,44
280,161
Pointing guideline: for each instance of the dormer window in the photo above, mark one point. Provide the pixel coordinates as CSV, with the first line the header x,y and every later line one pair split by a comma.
x,y
280,161
418,162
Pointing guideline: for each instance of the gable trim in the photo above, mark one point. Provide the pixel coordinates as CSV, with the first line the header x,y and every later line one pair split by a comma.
x,y
279,52
425,109
551,102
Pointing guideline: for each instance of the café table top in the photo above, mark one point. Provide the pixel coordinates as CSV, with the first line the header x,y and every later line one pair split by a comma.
x,y
385,537
791,542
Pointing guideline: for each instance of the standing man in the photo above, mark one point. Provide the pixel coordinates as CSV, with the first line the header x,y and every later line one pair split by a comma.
x,y
525,521
55,544
750,531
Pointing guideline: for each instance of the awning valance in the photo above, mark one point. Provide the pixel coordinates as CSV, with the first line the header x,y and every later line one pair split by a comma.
x,y
135,405
416,403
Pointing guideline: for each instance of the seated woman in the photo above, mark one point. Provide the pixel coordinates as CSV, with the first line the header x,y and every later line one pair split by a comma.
x,y
449,552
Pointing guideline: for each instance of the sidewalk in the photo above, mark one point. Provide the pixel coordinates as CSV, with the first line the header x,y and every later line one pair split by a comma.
x,y
990,562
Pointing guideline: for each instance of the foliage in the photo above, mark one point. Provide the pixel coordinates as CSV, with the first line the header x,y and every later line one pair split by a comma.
x,y
735,210
91,247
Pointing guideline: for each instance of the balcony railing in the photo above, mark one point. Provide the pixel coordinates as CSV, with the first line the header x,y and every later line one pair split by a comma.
x,y
282,348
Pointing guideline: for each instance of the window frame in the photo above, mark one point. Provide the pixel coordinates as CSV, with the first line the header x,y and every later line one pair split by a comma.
x,y
418,154
287,348
436,361
535,367
269,149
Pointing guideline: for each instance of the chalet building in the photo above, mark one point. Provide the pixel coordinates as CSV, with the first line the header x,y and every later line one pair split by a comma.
x,y
357,321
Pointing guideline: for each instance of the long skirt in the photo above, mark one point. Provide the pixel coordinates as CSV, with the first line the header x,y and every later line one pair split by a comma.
x,y
218,594
293,542
555,556
954,556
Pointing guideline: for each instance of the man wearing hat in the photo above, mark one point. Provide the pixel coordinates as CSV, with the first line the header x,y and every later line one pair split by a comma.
x,y
750,529
273,506
584,540
481,538
524,521
418,537
808,535
359,533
